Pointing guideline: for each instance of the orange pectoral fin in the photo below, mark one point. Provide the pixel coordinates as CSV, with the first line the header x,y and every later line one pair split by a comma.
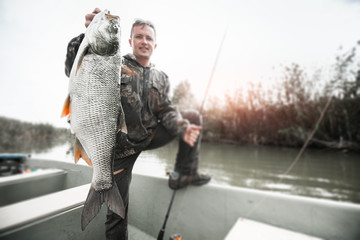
x,y
66,109
79,152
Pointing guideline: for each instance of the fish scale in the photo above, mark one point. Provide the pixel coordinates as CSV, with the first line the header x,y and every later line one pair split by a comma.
x,y
94,103
99,117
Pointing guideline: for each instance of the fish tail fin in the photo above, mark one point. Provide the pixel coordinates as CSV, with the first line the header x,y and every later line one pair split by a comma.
x,y
91,207
114,200
94,201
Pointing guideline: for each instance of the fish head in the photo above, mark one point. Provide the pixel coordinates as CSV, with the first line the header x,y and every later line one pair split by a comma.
x,y
104,33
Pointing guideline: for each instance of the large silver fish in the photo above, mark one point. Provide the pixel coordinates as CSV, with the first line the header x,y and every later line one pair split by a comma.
x,y
95,110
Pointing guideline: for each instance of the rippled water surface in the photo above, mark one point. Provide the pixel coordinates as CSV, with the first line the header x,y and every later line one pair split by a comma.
x,y
320,173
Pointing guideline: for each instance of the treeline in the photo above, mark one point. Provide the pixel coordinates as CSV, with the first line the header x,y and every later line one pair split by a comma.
x,y
286,114
21,136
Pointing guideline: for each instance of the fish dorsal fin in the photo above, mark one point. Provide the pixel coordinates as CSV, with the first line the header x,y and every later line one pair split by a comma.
x,y
79,152
81,57
66,109
83,49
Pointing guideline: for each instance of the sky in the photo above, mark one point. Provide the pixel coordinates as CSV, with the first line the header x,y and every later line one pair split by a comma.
x,y
261,35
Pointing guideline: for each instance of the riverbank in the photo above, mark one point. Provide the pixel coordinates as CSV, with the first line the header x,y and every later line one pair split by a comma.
x,y
21,136
341,145
286,113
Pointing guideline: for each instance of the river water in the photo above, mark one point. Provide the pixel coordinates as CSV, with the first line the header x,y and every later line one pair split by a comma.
x,y
319,173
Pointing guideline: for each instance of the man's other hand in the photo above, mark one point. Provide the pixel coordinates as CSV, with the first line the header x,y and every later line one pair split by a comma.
x,y
191,134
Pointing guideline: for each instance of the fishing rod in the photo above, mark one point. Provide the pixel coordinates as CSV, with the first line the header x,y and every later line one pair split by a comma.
x,y
212,73
162,230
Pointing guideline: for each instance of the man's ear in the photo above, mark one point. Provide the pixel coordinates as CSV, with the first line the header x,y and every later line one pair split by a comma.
x,y
130,42
155,45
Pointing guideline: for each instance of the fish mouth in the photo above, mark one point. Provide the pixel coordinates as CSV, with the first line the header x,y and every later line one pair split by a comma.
x,y
111,17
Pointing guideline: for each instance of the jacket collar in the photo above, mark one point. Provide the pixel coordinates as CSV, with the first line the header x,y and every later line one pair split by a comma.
x,y
132,58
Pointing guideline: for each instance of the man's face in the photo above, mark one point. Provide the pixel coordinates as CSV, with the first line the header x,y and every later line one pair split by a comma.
x,y
143,41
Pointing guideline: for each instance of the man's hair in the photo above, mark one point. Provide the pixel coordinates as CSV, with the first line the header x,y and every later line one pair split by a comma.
x,y
143,23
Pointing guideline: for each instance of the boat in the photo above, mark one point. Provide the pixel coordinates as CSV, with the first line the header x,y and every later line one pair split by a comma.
x,y
46,200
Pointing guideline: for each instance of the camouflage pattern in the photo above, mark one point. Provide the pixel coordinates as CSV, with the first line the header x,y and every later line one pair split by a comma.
x,y
145,100
72,49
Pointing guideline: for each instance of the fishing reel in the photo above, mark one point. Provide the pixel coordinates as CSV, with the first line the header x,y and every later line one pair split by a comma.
x,y
176,236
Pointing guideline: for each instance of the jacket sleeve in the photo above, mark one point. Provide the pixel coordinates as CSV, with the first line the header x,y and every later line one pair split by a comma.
x,y
169,114
72,50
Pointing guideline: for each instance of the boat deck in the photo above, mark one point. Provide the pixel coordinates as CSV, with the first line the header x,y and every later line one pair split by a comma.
x,y
137,234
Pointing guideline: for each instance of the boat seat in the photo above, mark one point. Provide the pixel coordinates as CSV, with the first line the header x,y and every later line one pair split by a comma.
x,y
25,177
20,187
25,212
251,230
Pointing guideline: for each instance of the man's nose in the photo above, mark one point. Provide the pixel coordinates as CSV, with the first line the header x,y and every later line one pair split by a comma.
x,y
144,40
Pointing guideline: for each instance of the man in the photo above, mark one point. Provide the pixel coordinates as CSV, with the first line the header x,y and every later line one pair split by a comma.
x,y
150,118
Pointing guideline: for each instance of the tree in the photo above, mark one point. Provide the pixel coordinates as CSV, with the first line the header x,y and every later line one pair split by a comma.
x,y
345,82
183,96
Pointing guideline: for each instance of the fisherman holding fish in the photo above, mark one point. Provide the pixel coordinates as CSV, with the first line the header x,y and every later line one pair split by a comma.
x,y
150,118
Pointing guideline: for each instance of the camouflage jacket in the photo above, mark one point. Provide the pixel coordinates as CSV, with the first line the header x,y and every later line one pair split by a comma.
x,y
145,100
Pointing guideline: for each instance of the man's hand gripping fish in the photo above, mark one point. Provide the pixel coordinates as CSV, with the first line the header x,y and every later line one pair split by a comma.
x,y
95,110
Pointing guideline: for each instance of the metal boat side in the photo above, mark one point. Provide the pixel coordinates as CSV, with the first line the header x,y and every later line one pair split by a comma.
x,y
206,212
47,178
210,211
55,212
